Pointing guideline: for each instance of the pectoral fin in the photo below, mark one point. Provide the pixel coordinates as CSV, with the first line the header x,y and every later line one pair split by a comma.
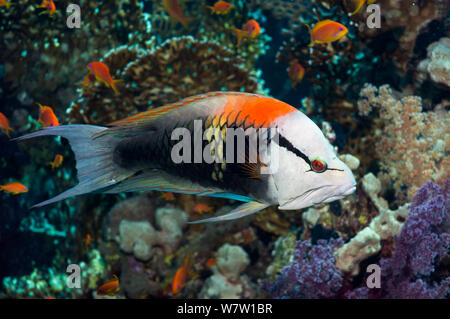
x,y
241,211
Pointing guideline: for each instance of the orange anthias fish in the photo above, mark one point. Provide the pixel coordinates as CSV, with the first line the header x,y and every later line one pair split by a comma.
x,y
296,72
327,31
202,208
250,30
174,9
168,196
47,117
357,4
110,288
101,72
14,188
88,240
5,3
179,280
57,161
138,153
4,124
221,7
49,7
49,297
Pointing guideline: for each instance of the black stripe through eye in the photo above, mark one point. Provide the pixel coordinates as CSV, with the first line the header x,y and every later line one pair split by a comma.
x,y
283,142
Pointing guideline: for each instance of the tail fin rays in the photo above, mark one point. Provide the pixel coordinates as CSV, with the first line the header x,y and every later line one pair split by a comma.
x,y
94,157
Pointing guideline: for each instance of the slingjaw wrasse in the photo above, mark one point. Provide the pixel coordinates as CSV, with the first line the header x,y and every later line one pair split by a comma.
x,y
296,167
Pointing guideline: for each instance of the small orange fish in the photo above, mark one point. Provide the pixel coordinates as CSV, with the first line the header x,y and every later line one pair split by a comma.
x,y
174,9
202,208
327,31
4,3
14,188
49,7
110,288
101,72
49,297
168,196
57,161
221,7
46,116
4,124
296,72
248,236
250,30
179,280
88,240
211,262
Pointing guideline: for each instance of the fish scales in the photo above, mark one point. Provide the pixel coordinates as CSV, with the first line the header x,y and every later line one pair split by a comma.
x,y
153,151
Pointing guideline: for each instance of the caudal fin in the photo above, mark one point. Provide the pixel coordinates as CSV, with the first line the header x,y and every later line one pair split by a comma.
x,y
94,157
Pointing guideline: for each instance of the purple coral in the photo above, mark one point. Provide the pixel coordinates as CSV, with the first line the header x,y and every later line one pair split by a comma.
x,y
312,273
423,241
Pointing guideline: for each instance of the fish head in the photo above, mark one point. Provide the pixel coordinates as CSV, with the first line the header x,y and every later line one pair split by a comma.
x,y
304,166
341,31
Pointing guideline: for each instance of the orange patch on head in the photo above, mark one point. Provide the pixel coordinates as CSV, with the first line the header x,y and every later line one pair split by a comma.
x,y
258,110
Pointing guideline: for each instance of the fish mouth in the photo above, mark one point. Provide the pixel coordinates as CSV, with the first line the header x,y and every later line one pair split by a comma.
x,y
345,193
304,199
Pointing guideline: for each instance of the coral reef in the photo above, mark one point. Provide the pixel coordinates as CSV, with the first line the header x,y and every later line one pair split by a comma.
x,y
367,241
43,58
437,64
410,141
40,284
227,281
138,237
422,243
312,273
179,68
282,253
394,135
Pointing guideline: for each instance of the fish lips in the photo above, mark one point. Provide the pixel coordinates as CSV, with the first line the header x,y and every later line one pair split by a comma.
x,y
321,195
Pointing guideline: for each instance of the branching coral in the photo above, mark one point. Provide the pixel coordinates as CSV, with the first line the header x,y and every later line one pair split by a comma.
x,y
179,68
312,274
422,243
413,144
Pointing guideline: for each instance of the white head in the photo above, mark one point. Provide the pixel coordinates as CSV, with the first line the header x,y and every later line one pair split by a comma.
x,y
309,171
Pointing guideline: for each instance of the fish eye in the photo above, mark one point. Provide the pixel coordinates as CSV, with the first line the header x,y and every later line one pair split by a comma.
x,y
318,165
341,28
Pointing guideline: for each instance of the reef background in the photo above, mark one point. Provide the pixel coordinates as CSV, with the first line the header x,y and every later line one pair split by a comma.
x,y
381,97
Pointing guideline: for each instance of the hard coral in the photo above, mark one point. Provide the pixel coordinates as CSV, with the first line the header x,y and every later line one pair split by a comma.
x,y
139,237
437,65
367,242
179,68
227,280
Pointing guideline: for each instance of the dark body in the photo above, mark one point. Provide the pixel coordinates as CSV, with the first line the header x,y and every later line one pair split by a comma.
x,y
153,151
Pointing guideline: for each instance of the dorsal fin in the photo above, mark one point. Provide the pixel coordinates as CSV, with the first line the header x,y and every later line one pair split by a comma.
x,y
154,113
